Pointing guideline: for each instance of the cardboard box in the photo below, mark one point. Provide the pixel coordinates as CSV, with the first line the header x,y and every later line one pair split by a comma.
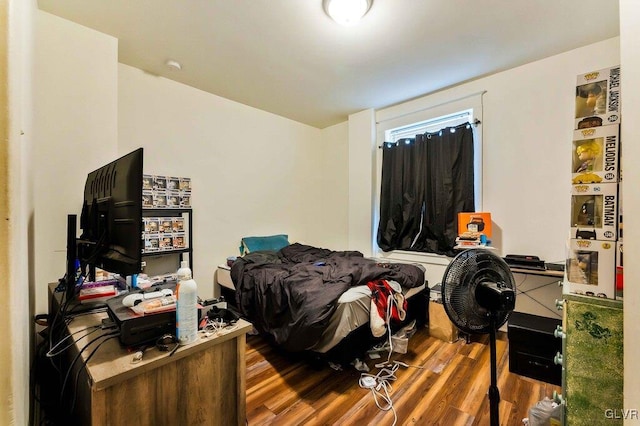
x,y
439,324
474,222
598,98
594,211
590,268
596,155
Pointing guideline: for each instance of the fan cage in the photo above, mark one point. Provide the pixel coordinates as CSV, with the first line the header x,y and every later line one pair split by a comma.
x,y
466,271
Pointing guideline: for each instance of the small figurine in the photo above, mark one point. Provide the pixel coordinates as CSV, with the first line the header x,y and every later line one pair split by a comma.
x,y
587,153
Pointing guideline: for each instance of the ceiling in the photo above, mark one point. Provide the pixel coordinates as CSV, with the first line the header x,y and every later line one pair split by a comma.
x,y
287,57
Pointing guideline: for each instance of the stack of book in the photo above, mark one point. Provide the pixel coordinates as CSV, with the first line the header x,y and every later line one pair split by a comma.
x,y
471,239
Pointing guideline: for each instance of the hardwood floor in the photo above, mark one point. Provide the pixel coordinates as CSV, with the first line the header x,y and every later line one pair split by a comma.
x,y
450,388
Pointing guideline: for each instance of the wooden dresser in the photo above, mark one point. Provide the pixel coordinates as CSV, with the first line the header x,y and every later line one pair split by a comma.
x,y
200,384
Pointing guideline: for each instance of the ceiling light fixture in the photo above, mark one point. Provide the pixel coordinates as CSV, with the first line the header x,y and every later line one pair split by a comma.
x,y
173,65
346,12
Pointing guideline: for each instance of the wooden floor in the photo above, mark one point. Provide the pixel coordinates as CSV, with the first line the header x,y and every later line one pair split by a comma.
x,y
450,389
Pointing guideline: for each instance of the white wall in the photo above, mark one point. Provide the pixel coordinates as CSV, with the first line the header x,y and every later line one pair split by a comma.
x,y
16,303
75,131
630,69
362,147
253,173
527,134
332,231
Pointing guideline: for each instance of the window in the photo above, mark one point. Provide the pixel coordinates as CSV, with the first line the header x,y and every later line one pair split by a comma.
x,y
396,127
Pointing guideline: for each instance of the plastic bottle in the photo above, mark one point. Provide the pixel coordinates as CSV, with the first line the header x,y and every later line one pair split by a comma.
x,y
186,306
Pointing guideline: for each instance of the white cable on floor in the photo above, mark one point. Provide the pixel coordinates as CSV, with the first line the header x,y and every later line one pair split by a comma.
x,y
380,388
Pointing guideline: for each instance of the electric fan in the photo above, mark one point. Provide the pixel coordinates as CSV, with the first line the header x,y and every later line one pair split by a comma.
x,y
478,296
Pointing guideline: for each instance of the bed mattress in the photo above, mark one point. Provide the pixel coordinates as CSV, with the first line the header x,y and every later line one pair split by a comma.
x,y
351,313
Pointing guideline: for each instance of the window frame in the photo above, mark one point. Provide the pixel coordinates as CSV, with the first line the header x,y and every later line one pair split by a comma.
x,y
408,115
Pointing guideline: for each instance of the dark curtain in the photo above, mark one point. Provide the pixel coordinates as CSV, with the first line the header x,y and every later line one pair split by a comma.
x,y
426,181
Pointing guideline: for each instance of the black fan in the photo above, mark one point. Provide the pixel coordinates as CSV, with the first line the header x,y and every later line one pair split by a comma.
x,y
478,295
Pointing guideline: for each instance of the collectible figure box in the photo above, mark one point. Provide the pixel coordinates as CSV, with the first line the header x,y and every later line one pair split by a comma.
x,y
598,98
173,183
164,233
173,199
178,224
147,182
160,192
166,225
179,240
594,211
595,155
474,222
159,199
185,184
160,183
590,268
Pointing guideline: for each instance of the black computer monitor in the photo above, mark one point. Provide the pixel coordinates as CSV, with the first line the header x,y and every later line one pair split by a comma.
x,y
111,219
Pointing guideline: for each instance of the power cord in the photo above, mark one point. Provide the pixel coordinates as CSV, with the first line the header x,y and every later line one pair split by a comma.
x,y
380,387
54,351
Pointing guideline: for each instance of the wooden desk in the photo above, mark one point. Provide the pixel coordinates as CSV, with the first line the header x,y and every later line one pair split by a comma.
x,y
200,384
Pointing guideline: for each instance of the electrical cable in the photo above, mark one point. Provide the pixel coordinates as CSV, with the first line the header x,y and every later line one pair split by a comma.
x,y
380,387
84,364
75,359
51,354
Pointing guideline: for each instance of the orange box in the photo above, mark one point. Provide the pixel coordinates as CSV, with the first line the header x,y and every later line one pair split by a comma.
x,y
474,222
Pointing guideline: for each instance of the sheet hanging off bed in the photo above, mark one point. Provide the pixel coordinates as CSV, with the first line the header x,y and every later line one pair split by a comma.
x,y
291,294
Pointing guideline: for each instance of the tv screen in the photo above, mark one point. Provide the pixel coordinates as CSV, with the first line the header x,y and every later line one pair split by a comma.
x,y
111,219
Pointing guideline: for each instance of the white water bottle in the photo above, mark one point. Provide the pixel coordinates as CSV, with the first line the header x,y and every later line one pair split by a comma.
x,y
186,306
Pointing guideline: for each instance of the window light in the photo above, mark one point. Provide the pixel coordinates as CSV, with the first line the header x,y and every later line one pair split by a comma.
x,y
346,12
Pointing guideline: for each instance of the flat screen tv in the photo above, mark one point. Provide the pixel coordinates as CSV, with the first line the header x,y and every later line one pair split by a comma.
x,y
111,219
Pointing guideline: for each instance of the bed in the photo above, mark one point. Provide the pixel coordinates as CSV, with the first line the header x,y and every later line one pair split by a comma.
x,y
315,300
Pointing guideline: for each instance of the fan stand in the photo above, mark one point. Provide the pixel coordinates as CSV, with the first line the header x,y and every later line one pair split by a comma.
x,y
494,393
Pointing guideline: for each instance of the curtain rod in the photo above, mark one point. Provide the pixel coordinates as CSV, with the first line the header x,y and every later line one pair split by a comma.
x,y
481,92
475,123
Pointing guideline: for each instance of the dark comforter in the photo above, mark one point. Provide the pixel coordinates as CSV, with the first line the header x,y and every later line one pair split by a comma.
x,y
291,294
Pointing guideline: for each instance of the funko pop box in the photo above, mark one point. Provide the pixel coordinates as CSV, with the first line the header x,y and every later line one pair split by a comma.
x,y
594,211
590,268
598,98
596,155
474,222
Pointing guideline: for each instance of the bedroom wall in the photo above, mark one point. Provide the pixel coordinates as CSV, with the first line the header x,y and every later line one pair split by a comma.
x,y
75,86
630,55
527,129
16,301
253,173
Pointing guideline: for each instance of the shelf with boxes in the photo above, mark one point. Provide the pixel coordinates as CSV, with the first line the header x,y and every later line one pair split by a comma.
x,y
167,223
